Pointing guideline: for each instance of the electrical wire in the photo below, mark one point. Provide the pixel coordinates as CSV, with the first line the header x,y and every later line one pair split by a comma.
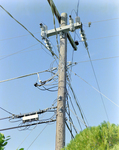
x,y
98,85
40,132
95,89
17,36
6,111
74,111
103,20
71,14
73,125
14,121
27,125
27,30
18,51
54,25
47,89
37,136
6,118
29,133
68,112
75,63
26,75
77,102
79,118
78,7
69,130
101,38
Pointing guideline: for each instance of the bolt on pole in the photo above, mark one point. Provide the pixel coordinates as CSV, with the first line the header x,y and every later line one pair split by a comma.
x,y
61,100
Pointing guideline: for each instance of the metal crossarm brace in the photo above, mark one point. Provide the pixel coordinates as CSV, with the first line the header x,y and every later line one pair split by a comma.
x,y
51,3
62,29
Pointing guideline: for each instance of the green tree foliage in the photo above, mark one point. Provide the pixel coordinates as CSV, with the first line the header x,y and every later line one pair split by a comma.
x,y
102,137
3,141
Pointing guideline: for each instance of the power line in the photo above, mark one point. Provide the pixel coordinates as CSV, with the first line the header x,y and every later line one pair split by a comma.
x,y
98,85
27,30
101,38
75,63
78,6
5,118
18,51
37,136
6,111
97,82
69,129
74,111
73,125
78,117
77,103
95,89
103,20
27,75
17,36
29,133
41,131
41,122
71,13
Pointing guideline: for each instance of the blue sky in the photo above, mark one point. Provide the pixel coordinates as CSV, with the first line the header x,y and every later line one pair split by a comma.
x,y
20,96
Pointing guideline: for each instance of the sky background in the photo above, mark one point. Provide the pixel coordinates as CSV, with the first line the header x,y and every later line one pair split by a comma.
x,y
20,95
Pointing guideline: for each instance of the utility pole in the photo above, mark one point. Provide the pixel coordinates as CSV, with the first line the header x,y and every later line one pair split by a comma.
x,y
63,30
61,101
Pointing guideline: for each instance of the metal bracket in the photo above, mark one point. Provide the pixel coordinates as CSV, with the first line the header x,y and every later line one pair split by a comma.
x,y
62,35
62,29
60,98
60,110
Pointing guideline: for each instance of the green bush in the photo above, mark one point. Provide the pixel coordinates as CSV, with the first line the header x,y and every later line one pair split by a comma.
x,y
102,137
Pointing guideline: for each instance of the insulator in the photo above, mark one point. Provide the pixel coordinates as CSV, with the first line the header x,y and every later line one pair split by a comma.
x,y
43,34
77,19
43,31
71,22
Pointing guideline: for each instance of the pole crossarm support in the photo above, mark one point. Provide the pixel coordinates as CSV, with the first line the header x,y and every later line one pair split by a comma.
x,y
52,109
62,29
53,7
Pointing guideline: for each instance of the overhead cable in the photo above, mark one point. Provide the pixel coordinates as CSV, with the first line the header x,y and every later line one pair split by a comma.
x,y
103,20
68,112
18,36
28,134
42,131
71,13
41,122
70,119
97,84
78,117
27,75
75,63
27,30
74,111
77,103
78,6
95,89
6,118
72,124
69,129
101,38
18,51
6,111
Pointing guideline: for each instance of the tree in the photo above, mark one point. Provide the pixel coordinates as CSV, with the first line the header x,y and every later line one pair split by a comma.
x,y
102,137
3,141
